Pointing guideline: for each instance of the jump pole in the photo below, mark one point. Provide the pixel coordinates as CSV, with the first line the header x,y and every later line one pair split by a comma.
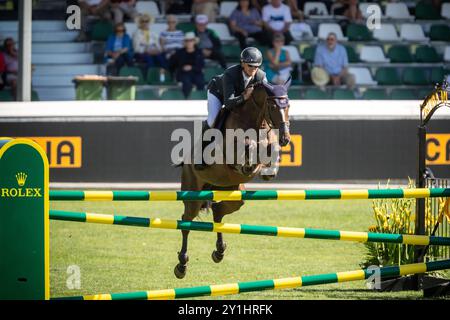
x,y
272,284
287,232
133,195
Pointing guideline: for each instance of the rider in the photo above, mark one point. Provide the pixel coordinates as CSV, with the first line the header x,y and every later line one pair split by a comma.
x,y
232,88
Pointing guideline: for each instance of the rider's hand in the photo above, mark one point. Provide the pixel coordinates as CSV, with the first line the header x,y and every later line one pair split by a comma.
x,y
248,92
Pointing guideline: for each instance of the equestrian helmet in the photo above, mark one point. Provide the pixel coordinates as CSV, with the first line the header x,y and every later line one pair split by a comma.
x,y
252,56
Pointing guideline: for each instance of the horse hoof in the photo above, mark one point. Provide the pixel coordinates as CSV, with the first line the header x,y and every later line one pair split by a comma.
x,y
217,256
180,271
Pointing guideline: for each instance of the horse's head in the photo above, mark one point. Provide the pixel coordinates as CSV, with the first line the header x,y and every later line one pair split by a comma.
x,y
278,108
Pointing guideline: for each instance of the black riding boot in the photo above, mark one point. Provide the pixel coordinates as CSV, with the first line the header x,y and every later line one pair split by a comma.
x,y
203,165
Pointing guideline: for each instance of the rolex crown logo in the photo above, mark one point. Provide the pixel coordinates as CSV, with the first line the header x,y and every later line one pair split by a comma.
x,y
21,178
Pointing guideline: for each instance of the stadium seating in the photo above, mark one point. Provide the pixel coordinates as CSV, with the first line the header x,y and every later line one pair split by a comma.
x,y
343,94
312,8
153,77
412,32
226,8
148,7
445,10
386,32
372,54
440,32
362,76
427,54
398,11
293,53
316,94
375,94
387,76
352,55
403,94
326,28
198,95
147,94
415,76
132,71
447,54
400,54
358,32
172,94
375,7
426,11
101,30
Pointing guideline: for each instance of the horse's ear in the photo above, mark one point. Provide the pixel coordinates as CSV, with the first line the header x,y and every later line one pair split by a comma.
x,y
288,82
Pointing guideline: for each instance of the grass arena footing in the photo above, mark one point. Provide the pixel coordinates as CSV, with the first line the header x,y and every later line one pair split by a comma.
x,y
272,284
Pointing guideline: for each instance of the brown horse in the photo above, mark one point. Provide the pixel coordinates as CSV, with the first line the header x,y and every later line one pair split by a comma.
x,y
267,108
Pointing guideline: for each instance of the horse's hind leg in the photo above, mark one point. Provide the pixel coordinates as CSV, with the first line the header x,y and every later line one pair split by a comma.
x,y
220,209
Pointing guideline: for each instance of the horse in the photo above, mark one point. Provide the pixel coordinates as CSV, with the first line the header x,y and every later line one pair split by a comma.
x,y
267,108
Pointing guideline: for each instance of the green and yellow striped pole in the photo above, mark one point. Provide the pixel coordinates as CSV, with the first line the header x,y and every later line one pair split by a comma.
x,y
306,233
273,284
133,195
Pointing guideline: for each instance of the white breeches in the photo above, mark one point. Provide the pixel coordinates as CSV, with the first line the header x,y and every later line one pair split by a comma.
x,y
214,106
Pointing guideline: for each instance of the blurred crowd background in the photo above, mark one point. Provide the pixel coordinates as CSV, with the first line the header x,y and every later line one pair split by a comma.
x,y
332,49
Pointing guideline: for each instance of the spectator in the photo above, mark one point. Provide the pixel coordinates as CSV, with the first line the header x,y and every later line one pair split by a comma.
x,y
210,8
352,13
11,64
146,45
188,63
2,71
92,9
209,42
339,7
171,39
332,57
245,22
119,50
277,18
295,11
123,8
279,67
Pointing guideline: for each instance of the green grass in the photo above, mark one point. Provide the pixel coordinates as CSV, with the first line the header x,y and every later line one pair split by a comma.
x,y
124,259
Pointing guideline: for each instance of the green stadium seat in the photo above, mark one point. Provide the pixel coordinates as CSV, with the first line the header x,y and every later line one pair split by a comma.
x,y
153,77
231,52
358,32
5,95
132,71
316,94
375,94
426,11
352,55
102,30
34,96
309,53
294,94
387,76
186,26
173,94
210,72
198,95
415,76
437,75
403,94
440,32
427,54
147,95
343,94
400,54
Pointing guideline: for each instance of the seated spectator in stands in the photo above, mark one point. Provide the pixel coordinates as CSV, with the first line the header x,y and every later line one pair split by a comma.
x,y
277,19
352,13
92,9
245,22
2,71
123,8
171,39
188,64
339,7
146,45
295,10
210,8
332,57
11,58
209,42
119,48
279,67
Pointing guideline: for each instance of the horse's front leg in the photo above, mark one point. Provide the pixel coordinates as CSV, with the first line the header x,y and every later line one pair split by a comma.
x,y
190,212
220,209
